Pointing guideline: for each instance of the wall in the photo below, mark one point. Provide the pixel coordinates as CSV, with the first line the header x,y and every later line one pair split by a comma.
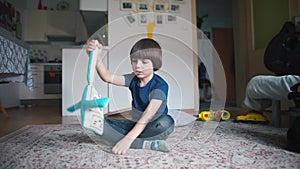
x,y
219,13
267,24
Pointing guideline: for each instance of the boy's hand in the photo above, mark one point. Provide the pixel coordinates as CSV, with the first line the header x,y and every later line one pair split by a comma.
x,y
122,146
92,45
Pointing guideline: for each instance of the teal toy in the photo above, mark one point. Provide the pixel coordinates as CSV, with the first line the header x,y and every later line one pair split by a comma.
x,y
91,105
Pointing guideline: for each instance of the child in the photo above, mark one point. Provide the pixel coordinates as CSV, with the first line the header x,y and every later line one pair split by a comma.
x,y
151,124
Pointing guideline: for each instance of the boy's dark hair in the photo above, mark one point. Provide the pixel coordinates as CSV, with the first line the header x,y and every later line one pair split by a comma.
x,y
147,49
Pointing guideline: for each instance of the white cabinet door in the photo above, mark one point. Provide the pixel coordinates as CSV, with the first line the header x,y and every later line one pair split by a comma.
x,y
74,78
61,23
38,78
93,5
39,24
35,25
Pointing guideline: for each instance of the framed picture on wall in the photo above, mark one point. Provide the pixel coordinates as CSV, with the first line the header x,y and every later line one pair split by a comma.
x,y
170,18
142,19
127,6
143,6
174,7
130,19
159,7
159,19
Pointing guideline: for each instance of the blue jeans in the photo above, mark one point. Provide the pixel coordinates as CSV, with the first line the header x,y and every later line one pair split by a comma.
x,y
159,129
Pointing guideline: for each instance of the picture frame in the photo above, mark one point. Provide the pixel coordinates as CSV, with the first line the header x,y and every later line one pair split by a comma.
x,y
130,19
171,19
159,7
159,19
127,6
143,6
142,19
175,8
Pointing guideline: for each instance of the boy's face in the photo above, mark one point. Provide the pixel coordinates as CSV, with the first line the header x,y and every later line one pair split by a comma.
x,y
142,67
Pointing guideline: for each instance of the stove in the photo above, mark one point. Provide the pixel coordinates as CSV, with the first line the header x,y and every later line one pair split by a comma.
x,y
53,79
55,61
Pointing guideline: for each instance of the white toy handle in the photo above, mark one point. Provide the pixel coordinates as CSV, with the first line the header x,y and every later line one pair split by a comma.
x,y
92,64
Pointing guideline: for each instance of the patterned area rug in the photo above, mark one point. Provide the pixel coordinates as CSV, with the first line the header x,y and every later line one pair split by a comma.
x,y
198,145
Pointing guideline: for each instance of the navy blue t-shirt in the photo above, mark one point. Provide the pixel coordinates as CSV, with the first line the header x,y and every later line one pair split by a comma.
x,y
156,88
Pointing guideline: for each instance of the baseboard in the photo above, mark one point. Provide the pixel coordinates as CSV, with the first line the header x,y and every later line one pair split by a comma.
x,y
40,102
70,120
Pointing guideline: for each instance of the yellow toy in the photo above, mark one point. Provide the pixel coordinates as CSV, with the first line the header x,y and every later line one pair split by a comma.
x,y
206,115
212,115
252,117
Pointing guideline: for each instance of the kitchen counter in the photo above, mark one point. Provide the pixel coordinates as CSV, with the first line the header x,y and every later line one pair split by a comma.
x,y
45,63
47,82
80,47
